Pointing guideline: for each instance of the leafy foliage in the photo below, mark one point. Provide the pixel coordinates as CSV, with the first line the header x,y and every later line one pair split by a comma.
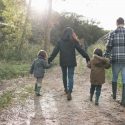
x,y
5,99
85,29
13,14
13,70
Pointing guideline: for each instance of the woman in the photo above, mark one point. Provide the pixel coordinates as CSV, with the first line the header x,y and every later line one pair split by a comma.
x,y
66,46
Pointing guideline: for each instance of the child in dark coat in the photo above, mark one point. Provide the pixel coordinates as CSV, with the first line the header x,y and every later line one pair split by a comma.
x,y
97,64
38,69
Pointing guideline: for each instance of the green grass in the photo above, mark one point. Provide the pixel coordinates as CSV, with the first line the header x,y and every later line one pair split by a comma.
x,y
5,99
13,69
24,94
29,89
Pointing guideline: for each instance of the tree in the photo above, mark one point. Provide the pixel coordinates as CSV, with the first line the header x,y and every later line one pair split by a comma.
x,y
48,26
24,28
85,29
14,15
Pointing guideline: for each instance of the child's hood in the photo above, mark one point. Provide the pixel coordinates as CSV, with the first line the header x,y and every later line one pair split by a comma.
x,y
98,59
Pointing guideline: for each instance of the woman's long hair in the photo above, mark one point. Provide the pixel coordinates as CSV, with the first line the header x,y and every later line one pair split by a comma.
x,y
67,34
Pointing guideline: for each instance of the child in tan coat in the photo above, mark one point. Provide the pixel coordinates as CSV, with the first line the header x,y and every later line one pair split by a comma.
x,y
97,64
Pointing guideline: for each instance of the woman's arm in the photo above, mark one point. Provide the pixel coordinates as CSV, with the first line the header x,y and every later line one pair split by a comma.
x,y
54,53
78,47
81,51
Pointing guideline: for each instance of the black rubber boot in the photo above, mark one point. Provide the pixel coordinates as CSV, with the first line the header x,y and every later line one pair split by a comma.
x,y
123,96
35,89
92,89
98,92
114,90
97,100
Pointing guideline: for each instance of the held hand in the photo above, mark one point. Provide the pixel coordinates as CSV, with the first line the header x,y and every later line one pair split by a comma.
x,y
49,61
74,36
30,75
88,64
50,65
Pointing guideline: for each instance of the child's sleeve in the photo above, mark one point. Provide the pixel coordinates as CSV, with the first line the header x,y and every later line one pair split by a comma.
x,y
46,65
89,64
107,64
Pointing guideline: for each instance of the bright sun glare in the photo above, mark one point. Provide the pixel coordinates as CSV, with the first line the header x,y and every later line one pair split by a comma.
x,y
39,5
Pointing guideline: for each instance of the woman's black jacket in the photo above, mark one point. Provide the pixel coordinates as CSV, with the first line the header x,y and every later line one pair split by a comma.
x,y
67,53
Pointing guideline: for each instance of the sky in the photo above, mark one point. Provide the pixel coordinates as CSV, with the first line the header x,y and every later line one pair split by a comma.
x,y
104,11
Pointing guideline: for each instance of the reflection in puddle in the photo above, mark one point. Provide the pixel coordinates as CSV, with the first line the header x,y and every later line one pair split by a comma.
x,y
49,109
45,110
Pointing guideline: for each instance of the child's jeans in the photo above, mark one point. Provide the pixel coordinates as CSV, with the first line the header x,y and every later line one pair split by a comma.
x,y
96,88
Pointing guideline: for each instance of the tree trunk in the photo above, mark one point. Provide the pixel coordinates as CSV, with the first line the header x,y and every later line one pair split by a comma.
x,y
23,36
48,27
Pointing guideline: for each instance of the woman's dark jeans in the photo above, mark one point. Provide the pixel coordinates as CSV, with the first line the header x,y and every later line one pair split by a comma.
x,y
68,75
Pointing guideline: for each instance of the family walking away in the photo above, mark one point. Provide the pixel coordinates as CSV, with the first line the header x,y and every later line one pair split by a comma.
x,y
38,69
116,48
66,46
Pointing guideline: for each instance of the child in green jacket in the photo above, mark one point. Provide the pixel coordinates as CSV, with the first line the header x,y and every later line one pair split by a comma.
x,y
38,69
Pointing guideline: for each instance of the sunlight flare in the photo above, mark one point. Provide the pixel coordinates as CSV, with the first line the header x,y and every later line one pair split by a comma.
x,y
39,5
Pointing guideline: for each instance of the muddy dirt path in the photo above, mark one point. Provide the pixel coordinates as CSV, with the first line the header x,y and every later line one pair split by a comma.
x,y
52,108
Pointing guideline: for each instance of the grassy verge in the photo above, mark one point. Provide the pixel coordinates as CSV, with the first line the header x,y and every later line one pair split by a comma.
x,y
24,93
13,69
5,99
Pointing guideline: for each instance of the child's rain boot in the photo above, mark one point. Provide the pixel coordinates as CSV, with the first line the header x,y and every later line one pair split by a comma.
x,y
97,100
35,89
98,92
114,90
38,91
123,96
92,89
